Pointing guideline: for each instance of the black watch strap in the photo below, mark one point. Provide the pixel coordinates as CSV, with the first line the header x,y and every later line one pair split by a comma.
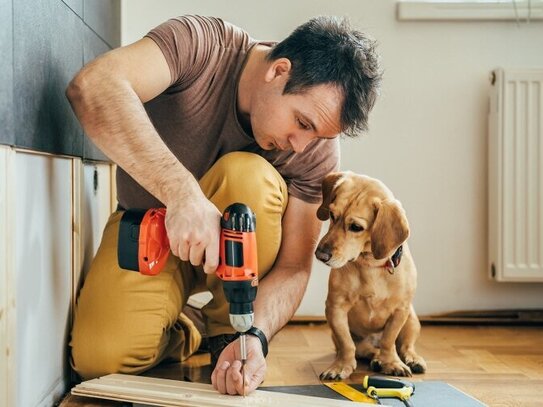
x,y
260,335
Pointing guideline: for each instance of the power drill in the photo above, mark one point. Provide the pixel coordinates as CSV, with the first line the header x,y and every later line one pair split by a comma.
x,y
143,246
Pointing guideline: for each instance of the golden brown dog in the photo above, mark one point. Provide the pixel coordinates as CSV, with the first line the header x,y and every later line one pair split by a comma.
x,y
373,277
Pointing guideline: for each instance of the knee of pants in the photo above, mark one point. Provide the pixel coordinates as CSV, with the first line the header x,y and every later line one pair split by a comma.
x,y
250,179
104,352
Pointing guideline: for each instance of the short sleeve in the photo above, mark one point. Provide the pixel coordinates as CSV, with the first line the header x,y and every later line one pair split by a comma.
x,y
318,161
304,172
189,43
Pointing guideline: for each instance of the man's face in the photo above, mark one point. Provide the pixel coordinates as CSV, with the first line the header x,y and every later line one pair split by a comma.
x,y
291,121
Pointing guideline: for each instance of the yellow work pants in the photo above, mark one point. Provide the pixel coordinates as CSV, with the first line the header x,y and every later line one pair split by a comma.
x,y
126,322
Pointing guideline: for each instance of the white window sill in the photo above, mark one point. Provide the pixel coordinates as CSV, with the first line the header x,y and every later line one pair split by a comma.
x,y
408,10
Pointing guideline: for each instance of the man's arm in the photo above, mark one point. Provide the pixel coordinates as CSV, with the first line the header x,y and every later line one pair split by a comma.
x,y
280,293
107,96
278,297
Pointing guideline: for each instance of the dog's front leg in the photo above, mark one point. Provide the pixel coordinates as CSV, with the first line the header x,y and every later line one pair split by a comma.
x,y
387,360
345,362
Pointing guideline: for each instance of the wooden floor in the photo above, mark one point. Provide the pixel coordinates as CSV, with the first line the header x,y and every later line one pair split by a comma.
x,y
500,366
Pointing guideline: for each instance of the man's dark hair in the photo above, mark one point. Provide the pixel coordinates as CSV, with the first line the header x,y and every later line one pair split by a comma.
x,y
326,50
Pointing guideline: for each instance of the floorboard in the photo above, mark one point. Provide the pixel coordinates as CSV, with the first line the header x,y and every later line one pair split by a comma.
x,y
501,366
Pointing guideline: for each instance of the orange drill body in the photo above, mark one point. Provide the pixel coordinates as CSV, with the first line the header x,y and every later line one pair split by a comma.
x,y
238,266
143,246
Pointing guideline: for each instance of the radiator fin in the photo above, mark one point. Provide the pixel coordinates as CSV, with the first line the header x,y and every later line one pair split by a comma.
x,y
516,175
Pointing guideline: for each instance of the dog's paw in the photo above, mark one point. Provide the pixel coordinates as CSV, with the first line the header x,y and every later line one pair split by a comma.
x,y
395,368
416,364
338,370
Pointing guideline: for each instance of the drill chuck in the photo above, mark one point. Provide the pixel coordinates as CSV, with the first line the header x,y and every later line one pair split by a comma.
x,y
242,322
240,295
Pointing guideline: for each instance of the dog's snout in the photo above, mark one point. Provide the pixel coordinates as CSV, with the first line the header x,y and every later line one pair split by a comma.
x,y
323,254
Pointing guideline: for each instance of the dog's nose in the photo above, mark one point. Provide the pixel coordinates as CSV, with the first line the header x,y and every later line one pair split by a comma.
x,y
323,255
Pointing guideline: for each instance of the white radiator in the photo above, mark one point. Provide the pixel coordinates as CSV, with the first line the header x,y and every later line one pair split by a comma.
x,y
515,198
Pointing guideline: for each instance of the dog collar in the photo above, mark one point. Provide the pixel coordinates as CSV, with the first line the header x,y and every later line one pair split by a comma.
x,y
394,261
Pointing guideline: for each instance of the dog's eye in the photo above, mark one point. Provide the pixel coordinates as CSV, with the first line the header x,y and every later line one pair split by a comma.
x,y
353,227
332,217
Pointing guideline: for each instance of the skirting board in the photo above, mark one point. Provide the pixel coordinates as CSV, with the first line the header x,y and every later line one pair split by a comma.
x,y
174,393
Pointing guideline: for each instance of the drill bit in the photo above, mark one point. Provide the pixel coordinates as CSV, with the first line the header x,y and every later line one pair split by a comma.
x,y
243,351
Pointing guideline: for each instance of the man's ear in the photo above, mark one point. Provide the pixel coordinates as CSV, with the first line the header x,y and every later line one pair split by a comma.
x,y
390,228
277,68
328,185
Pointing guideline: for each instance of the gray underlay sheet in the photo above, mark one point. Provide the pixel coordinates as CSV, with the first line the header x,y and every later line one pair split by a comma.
x,y
427,394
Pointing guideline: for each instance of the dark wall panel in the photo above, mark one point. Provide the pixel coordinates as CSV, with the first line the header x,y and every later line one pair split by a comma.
x,y
6,73
43,44
48,51
104,17
76,6
93,46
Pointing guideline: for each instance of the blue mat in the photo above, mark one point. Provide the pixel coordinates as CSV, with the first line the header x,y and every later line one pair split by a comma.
x,y
427,394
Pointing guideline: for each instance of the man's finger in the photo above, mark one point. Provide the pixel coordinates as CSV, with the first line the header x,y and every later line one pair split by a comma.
x,y
233,379
214,378
183,250
196,254
254,376
251,383
174,247
212,256
220,378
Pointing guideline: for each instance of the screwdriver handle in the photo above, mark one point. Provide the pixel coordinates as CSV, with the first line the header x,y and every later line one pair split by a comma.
x,y
383,382
402,394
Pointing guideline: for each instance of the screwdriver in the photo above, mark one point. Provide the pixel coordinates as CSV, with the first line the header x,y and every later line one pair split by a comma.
x,y
381,386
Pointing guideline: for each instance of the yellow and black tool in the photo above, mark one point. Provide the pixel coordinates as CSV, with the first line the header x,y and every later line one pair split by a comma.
x,y
380,387
349,392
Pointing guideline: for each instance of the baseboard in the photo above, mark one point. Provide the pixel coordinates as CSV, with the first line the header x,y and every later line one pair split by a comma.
x,y
484,317
487,317
302,319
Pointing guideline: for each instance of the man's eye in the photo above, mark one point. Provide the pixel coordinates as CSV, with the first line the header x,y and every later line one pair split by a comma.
x,y
355,228
302,125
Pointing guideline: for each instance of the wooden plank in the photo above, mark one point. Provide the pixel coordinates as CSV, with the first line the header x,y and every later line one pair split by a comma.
x,y
173,393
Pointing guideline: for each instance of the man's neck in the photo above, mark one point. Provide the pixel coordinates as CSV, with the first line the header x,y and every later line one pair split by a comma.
x,y
252,73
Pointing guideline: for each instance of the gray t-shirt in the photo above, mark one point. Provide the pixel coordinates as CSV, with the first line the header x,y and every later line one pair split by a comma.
x,y
196,115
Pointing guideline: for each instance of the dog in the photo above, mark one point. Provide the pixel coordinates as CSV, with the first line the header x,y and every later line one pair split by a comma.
x,y
373,278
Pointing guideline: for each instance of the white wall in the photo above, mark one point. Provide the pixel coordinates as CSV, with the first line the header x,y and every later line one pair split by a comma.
x,y
428,131
43,276
43,208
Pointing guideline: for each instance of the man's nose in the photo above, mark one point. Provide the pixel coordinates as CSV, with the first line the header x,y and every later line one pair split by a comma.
x,y
299,141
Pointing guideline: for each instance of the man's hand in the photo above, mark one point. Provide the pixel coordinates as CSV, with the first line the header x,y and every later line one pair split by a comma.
x,y
193,228
226,378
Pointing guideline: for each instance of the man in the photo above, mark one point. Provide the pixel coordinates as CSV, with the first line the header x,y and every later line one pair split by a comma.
x,y
198,115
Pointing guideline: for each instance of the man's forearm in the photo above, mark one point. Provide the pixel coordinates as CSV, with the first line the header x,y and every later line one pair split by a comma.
x,y
279,295
114,118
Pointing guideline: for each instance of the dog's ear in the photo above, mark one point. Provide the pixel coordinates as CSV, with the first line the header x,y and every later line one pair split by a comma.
x,y
328,184
390,228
